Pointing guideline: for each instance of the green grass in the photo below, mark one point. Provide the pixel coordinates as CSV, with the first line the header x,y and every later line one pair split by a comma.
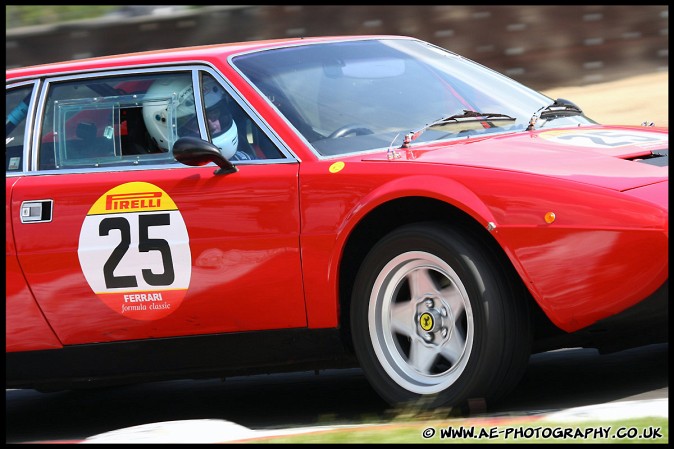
x,y
491,430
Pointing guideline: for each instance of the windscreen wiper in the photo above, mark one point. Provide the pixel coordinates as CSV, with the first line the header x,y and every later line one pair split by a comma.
x,y
466,116
559,108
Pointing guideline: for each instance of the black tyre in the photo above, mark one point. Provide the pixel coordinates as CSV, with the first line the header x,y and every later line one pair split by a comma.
x,y
437,319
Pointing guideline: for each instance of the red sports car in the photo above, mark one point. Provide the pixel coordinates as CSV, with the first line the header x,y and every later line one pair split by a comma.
x,y
372,201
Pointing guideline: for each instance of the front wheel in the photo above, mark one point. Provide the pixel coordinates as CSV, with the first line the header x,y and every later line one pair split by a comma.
x,y
435,317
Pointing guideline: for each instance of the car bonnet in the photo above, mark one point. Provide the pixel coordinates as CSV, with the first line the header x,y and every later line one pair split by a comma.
x,y
619,158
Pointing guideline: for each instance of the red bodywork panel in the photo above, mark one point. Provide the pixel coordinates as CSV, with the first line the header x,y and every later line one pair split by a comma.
x,y
233,243
580,268
25,326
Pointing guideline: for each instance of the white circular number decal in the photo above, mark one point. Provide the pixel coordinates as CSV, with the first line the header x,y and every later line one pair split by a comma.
x,y
134,251
602,138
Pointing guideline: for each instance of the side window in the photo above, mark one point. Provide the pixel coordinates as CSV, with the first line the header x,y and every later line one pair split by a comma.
x,y
17,101
231,129
115,121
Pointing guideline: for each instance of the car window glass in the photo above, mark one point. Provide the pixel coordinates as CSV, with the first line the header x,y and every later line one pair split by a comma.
x,y
17,101
115,121
230,128
375,92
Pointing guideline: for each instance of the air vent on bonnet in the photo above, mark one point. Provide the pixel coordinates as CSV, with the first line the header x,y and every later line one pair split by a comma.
x,y
657,157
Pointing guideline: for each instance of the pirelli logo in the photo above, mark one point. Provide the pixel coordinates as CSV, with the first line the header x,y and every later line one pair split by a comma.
x,y
133,197
133,201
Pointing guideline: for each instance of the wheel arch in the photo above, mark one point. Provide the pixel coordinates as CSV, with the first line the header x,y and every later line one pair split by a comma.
x,y
399,212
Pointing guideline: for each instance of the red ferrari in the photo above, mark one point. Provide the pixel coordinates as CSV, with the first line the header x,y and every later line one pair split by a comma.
x,y
301,204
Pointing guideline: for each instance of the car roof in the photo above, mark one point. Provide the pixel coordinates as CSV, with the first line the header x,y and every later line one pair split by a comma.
x,y
213,53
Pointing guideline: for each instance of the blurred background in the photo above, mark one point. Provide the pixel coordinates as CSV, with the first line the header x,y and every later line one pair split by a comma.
x,y
541,46
544,47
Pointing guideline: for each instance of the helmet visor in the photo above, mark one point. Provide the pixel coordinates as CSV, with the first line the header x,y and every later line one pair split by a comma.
x,y
219,119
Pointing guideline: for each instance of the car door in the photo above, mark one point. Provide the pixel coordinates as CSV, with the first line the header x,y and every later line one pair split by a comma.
x,y
120,242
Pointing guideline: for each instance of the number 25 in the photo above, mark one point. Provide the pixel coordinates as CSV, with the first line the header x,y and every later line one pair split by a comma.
x,y
145,245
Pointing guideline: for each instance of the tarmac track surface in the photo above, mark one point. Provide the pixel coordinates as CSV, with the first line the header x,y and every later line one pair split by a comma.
x,y
246,407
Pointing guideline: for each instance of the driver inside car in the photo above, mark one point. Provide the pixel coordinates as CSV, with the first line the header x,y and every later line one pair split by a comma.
x,y
221,126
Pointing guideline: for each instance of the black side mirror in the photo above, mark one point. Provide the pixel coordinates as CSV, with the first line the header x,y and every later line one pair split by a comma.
x,y
196,152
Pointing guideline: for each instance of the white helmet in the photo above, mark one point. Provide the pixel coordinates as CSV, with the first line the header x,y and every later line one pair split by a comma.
x,y
156,113
226,137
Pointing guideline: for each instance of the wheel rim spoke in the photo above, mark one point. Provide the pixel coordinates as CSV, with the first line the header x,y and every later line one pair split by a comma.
x,y
402,318
421,283
421,356
452,297
453,349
